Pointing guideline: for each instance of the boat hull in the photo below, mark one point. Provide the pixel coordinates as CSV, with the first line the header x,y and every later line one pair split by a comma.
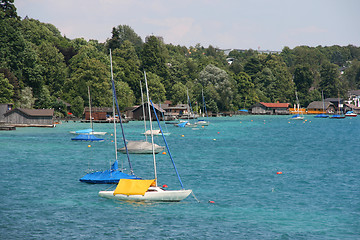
x,y
156,196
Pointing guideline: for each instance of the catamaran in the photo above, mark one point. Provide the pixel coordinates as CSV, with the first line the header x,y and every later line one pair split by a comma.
x,y
147,190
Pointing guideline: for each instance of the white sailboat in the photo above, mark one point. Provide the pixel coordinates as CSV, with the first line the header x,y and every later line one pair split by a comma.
x,y
203,122
298,116
146,190
89,131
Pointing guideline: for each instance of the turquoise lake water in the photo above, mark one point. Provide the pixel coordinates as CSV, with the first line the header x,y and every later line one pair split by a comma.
x,y
234,162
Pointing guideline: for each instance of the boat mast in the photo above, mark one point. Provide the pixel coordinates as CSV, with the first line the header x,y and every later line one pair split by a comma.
x,y
91,123
189,104
151,131
143,108
202,93
114,114
118,109
297,102
322,96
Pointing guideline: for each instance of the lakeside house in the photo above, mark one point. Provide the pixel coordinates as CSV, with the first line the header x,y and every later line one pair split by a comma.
x,y
354,97
138,113
97,113
270,108
4,107
21,117
175,111
318,107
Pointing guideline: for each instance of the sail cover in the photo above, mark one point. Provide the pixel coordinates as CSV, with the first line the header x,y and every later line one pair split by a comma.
x,y
86,131
183,124
133,187
141,147
87,137
106,177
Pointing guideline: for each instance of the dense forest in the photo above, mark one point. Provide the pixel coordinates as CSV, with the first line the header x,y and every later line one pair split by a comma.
x,y
39,67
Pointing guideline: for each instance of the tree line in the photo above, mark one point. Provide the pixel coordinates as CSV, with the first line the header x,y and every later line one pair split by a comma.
x,y
40,68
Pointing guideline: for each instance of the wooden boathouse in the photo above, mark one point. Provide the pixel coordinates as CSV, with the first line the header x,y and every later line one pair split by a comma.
x,y
270,108
21,117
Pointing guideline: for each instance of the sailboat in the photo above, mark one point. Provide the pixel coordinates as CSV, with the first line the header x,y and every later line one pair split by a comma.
x,y
147,190
322,115
142,147
89,131
189,111
297,116
203,122
114,174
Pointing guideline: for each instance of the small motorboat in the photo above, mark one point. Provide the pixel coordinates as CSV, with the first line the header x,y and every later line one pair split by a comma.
x,y
350,114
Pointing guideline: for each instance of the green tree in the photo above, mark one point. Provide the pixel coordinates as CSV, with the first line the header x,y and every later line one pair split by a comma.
x,y
220,81
53,66
330,82
6,89
126,65
153,58
123,33
178,93
93,73
303,78
157,90
125,95
352,75
44,99
8,9
26,100
77,106
32,70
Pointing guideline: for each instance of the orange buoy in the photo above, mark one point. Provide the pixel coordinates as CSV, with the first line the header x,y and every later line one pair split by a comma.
x,y
218,132
164,153
89,145
279,173
165,186
182,135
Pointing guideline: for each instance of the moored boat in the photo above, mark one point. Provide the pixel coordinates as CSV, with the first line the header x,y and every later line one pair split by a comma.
x,y
350,114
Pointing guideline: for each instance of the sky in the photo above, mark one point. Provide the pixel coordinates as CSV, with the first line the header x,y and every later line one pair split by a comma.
x,y
225,24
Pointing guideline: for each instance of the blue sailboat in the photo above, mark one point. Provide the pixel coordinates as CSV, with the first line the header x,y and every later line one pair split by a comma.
x,y
87,138
114,174
89,131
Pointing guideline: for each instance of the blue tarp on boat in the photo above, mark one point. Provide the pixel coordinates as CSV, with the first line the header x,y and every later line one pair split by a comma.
x,y
85,131
322,116
87,137
108,176
183,124
337,116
